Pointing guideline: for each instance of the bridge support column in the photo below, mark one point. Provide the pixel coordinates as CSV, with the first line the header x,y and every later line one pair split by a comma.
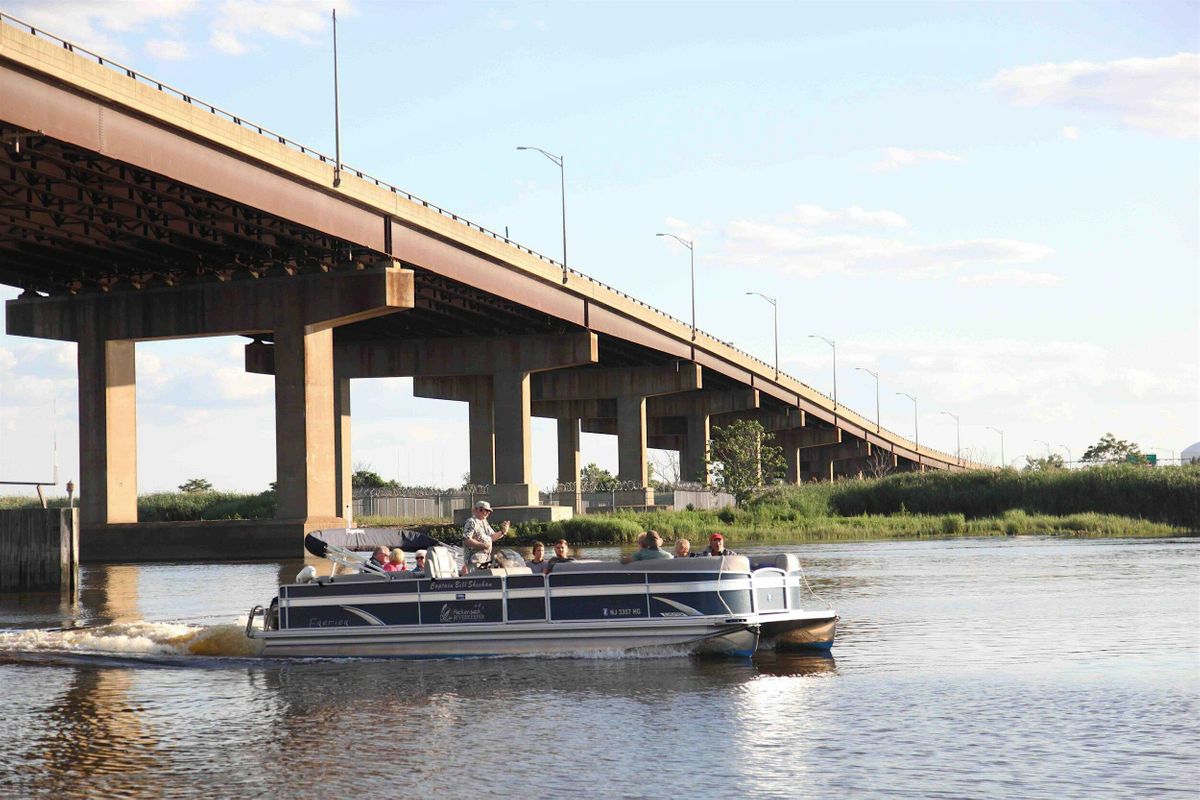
x,y
304,423
819,465
568,463
514,465
693,458
107,431
631,451
791,458
343,465
482,432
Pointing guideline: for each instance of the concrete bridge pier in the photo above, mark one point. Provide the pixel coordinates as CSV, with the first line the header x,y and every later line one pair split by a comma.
x,y
630,387
568,462
697,409
107,430
299,312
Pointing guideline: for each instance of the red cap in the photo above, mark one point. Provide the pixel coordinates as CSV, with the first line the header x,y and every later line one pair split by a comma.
x,y
716,536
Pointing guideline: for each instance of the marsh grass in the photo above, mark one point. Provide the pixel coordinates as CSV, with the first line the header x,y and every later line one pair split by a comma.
x,y
1114,501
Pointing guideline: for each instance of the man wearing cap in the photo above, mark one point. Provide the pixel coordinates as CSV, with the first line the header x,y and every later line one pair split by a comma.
x,y
716,546
478,536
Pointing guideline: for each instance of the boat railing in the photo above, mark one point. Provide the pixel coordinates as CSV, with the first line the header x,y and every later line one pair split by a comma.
x,y
257,611
761,574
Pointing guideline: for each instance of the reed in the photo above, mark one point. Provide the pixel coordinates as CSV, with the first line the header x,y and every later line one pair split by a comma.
x,y
1169,495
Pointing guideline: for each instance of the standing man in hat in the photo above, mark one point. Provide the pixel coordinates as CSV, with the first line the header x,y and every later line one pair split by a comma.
x,y
478,536
716,546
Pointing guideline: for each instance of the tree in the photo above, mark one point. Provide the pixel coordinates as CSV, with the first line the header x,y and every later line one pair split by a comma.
x,y
744,460
594,479
1111,450
664,469
364,478
195,486
880,463
1053,461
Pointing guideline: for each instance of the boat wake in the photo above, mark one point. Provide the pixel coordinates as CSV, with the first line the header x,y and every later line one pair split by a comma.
x,y
136,641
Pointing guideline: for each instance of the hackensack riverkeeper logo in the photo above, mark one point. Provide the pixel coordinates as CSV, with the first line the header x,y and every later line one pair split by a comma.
x,y
470,614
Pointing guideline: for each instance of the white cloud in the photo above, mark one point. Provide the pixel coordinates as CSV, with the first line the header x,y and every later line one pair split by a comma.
x,y
895,158
91,23
1156,95
167,49
1013,277
812,216
1070,132
238,22
794,248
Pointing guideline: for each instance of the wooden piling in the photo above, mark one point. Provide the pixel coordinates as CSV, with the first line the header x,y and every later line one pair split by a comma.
x,y
39,550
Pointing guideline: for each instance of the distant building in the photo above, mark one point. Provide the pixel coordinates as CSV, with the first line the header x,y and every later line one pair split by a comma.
x,y
1190,454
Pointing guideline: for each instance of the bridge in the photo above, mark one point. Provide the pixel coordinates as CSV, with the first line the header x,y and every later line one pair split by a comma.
x,y
131,211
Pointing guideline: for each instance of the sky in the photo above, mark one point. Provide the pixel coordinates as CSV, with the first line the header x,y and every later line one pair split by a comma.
x,y
994,206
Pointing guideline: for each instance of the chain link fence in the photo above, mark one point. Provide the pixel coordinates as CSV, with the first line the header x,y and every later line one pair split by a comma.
x,y
432,503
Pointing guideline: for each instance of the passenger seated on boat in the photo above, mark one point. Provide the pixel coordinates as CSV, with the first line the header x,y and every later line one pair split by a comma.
x,y
651,548
716,546
395,561
537,562
478,536
379,557
683,549
419,569
560,556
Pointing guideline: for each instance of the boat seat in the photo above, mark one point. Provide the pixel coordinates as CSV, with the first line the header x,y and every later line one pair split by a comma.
x,y
439,563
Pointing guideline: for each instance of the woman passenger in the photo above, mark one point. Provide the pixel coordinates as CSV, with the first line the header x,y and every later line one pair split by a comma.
x,y
396,562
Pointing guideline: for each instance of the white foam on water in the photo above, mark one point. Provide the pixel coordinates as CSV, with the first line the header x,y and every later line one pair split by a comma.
x,y
137,639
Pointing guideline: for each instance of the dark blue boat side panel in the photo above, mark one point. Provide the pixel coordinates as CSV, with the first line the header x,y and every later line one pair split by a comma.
x,y
487,583
525,609
691,577
450,612
596,579
526,581
706,603
600,606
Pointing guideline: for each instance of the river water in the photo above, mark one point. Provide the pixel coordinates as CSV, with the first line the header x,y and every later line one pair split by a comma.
x,y
998,668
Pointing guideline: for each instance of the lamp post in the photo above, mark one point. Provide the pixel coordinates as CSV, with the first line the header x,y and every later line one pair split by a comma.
x,y
916,432
558,160
957,436
1070,457
1042,441
691,246
833,345
875,375
997,430
775,308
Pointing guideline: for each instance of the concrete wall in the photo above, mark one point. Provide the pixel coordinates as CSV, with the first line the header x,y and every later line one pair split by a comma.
x,y
39,550
216,540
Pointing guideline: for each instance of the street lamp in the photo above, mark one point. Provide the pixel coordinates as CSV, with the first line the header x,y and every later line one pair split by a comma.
x,y
833,345
875,375
997,430
957,436
916,432
1041,441
691,246
1070,458
775,307
558,160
